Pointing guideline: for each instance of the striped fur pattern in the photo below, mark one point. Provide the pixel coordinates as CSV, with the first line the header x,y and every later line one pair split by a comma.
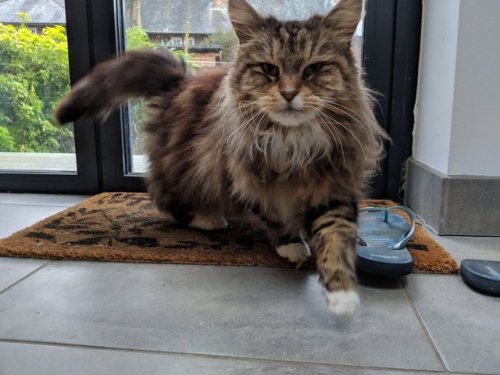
x,y
287,131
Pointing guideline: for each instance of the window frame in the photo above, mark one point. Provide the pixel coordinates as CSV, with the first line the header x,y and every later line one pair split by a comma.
x,y
390,60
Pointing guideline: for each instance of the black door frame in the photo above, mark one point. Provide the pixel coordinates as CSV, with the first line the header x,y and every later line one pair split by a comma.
x,y
391,58
96,33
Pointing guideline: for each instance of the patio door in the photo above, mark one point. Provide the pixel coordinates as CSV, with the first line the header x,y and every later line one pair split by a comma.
x,y
109,156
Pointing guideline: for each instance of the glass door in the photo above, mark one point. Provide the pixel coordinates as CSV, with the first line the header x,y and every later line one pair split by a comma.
x,y
36,154
387,43
201,33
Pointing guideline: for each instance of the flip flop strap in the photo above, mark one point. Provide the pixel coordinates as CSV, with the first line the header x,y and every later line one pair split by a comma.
x,y
401,244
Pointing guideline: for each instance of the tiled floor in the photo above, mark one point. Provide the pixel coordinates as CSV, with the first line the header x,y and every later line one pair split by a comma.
x,y
115,318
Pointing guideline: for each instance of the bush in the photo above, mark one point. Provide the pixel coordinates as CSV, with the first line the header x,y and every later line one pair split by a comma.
x,y
227,40
33,78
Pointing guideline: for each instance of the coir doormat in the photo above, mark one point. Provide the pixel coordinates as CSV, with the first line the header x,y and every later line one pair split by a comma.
x,y
126,227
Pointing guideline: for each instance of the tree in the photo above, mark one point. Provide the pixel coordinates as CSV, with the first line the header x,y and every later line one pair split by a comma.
x,y
136,38
33,78
227,40
133,8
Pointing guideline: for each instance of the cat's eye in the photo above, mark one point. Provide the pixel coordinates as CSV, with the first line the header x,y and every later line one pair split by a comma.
x,y
270,70
312,69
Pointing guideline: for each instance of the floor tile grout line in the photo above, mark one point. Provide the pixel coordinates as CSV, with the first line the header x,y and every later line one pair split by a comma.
x,y
24,277
426,330
215,356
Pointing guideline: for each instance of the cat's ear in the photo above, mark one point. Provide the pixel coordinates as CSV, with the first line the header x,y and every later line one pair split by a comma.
x,y
344,19
244,18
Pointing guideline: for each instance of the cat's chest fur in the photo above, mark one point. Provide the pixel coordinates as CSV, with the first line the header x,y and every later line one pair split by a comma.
x,y
281,170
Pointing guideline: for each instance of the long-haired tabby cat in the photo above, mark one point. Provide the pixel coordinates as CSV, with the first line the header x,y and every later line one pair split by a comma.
x,y
286,131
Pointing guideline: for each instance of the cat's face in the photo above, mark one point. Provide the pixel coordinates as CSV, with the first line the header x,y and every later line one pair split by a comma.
x,y
293,71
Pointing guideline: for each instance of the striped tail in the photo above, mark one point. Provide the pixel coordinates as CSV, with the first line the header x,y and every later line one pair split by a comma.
x,y
136,74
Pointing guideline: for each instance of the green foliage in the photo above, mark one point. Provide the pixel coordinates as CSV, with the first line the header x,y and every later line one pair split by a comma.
x,y
7,143
33,78
227,40
181,54
136,37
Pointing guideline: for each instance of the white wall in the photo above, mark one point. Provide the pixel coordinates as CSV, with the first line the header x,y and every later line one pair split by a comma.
x,y
434,108
457,129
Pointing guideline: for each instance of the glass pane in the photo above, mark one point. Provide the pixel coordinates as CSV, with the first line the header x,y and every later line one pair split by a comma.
x,y
199,31
34,75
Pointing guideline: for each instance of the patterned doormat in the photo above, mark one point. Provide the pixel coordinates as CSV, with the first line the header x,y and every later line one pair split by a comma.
x,y
126,227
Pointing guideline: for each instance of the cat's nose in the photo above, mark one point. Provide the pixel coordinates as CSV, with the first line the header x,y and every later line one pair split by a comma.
x,y
289,94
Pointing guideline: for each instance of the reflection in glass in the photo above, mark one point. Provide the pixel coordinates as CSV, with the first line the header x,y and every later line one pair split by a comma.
x,y
200,32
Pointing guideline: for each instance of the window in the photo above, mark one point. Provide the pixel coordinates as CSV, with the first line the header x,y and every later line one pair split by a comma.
x,y
34,75
175,42
36,67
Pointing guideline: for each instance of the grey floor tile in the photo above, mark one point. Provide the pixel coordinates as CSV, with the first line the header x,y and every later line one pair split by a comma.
x,y
12,270
14,217
22,359
41,199
234,311
464,324
471,247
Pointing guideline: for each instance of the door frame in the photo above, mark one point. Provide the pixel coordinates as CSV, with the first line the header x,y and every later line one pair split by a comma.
x,y
96,33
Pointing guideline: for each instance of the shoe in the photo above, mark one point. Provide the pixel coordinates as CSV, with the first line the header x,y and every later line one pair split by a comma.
x,y
483,275
382,238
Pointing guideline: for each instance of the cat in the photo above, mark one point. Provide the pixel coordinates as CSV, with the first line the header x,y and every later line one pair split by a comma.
x,y
287,131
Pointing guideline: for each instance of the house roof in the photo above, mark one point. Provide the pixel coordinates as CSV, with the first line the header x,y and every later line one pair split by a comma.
x,y
40,11
171,16
174,16
207,16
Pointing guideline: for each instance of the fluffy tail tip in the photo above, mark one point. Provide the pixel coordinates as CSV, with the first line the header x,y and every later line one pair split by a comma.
x,y
67,112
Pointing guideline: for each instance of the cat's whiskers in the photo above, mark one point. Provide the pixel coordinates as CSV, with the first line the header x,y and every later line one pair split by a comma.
x,y
255,120
361,126
250,118
242,105
346,128
344,110
333,132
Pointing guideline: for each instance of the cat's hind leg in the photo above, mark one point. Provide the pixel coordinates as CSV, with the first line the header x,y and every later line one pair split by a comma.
x,y
201,219
208,221
295,252
290,247
333,229
183,215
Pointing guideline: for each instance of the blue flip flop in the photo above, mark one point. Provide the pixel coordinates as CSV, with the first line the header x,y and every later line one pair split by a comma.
x,y
483,275
382,239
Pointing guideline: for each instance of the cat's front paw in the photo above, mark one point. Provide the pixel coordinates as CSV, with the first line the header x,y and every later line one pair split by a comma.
x,y
343,302
295,252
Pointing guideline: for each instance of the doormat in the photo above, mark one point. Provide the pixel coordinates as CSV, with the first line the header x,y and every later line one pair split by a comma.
x,y
126,227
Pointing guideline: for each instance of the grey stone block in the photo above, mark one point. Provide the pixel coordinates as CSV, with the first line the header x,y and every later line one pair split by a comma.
x,y
454,205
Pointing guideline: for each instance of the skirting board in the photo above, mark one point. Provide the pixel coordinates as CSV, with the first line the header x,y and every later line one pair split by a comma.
x,y
454,205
